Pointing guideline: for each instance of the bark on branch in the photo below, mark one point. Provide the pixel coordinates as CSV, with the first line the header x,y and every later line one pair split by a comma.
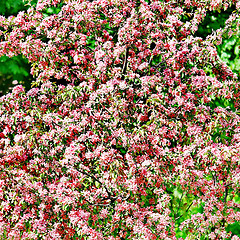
x,y
124,69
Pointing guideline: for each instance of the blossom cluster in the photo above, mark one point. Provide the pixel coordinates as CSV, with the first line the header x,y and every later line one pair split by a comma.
x,y
134,147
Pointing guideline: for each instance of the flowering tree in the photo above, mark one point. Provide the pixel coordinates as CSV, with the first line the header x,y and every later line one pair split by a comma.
x,y
144,141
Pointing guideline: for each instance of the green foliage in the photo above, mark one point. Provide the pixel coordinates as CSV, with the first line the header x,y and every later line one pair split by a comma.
x,y
52,10
11,7
16,66
214,20
234,228
13,71
229,53
222,102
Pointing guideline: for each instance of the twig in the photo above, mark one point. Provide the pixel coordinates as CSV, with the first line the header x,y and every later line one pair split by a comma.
x,y
124,69
214,178
179,204
186,210
226,193
99,204
109,194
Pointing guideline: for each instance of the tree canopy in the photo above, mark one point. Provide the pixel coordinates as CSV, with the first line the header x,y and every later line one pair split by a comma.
x,y
131,130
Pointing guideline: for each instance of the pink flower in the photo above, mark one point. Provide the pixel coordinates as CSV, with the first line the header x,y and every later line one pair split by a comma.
x,y
18,89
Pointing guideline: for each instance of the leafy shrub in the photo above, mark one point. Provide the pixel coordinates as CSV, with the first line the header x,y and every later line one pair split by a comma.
x,y
144,141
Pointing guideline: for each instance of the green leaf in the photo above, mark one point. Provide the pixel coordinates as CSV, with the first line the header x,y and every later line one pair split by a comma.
x,y
234,228
97,184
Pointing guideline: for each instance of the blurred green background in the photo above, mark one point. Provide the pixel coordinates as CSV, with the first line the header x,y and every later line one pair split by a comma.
x,y
16,70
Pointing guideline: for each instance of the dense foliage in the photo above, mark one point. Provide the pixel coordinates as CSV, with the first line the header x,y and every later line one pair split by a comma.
x,y
144,141
17,70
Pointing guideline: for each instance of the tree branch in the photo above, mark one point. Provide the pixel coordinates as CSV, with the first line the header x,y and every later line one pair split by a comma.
x,y
226,194
109,194
186,210
124,69
179,204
